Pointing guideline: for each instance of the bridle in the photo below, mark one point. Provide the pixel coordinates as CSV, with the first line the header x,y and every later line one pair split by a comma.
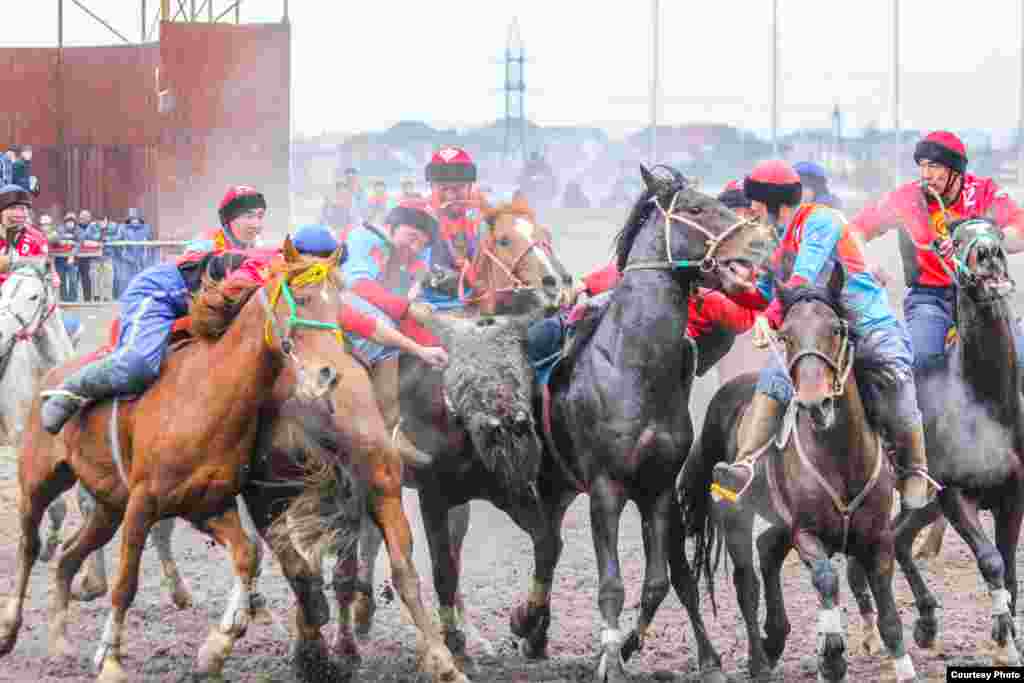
x,y
486,254
707,263
841,365
317,273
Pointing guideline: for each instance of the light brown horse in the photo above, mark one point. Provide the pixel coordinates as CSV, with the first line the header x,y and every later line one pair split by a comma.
x,y
176,458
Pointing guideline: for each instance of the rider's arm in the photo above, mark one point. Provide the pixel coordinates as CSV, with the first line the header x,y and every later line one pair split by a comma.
x,y
820,234
718,309
361,273
600,280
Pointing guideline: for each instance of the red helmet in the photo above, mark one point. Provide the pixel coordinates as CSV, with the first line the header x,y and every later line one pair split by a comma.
x,y
451,165
733,197
773,182
944,148
237,200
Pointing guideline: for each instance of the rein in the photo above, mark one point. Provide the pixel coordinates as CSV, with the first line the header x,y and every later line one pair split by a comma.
x,y
707,263
841,374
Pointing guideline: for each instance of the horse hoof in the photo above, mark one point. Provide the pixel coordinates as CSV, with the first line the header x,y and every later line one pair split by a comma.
x,y
531,626
455,641
872,643
111,671
210,660
50,549
610,671
7,641
363,608
310,662
715,675
438,663
631,645
1006,655
925,633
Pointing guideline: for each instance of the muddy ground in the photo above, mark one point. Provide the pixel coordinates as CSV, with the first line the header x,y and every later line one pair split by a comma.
x,y
161,641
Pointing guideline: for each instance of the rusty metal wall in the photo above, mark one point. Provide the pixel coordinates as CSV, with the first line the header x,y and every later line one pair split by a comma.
x,y
105,140
226,121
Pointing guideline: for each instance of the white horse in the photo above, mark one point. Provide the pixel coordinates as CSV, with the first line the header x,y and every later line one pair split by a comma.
x,y
33,340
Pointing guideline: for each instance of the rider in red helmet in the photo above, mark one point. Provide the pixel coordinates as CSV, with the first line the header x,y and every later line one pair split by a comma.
x,y
915,209
814,241
19,239
457,203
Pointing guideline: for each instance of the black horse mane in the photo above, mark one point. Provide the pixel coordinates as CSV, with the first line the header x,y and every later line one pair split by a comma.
x,y
667,181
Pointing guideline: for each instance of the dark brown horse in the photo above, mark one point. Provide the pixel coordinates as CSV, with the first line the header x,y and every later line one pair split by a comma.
x,y
822,488
974,431
195,471
516,271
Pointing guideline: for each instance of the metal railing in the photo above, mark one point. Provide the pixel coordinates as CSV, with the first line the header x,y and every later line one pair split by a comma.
x,y
101,252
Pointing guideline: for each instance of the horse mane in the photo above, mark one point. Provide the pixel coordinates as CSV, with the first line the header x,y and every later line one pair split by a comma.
x,y
517,207
37,269
661,187
218,303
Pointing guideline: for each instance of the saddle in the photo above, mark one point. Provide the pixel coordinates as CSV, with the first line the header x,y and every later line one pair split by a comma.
x,y
557,340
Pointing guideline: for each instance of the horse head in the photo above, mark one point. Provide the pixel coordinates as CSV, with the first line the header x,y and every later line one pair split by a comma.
x,y
515,254
693,235
981,269
816,347
25,302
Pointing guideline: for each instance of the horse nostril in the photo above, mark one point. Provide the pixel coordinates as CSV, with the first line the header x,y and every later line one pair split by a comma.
x,y
549,281
567,280
328,377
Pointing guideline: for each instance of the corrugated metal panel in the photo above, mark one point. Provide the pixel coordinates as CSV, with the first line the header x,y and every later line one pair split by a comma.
x,y
229,123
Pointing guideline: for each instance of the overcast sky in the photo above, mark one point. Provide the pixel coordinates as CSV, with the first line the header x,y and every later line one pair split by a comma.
x,y
365,65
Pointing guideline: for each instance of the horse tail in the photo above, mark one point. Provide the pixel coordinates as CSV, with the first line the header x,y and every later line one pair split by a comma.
x,y
693,487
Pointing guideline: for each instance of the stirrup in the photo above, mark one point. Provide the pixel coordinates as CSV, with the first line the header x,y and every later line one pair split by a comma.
x,y
918,472
64,393
729,494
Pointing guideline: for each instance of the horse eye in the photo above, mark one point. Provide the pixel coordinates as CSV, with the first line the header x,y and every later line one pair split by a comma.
x,y
301,300
504,242
696,210
837,330
34,297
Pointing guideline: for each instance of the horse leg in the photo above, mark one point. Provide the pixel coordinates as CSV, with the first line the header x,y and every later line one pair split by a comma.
x,y
138,518
654,513
909,524
94,582
436,659
362,604
345,579
458,527
1008,523
776,623
871,639
684,583
259,614
227,530
742,545
531,620
879,567
607,498
435,514
56,514
32,503
931,546
175,584
100,526
831,643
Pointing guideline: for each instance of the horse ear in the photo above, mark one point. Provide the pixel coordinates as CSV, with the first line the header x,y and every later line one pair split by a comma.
x,y
291,254
649,180
836,282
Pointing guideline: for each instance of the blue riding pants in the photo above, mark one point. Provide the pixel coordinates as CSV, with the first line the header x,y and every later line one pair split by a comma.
x,y
883,363
149,306
929,315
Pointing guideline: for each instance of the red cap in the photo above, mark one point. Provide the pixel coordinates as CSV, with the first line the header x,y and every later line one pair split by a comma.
x,y
451,165
237,200
773,182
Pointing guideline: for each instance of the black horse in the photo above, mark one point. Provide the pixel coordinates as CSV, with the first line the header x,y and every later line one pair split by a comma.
x,y
620,428
822,488
974,431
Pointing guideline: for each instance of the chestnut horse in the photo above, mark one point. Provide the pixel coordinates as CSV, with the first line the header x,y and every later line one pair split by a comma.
x,y
196,472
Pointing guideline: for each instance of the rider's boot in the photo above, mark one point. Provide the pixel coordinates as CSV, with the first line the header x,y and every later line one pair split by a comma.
x,y
387,390
91,383
911,455
759,425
